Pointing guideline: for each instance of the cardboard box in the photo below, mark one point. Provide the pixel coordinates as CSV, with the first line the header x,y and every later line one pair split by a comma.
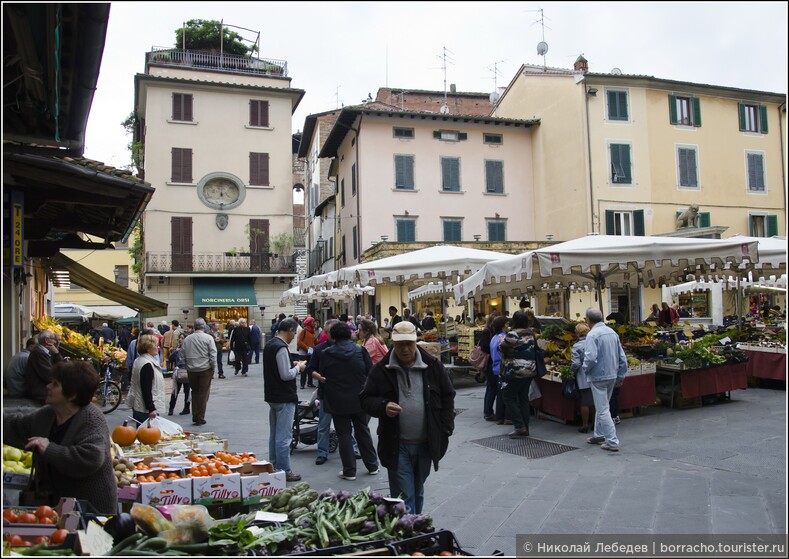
x,y
648,368
255,487
13,478
209,446
130,493
433,348
167,492
217,489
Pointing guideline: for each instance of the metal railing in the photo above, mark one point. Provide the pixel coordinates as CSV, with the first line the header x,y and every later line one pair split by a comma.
x,y
201,262
230,62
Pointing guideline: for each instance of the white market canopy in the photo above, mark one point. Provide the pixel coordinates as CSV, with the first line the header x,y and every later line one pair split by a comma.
x,y
771,283
419,266
429,290
295,295
772,253
73,311
601,261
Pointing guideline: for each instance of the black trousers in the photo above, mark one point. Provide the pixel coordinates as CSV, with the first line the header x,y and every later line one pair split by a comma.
x,y
346,425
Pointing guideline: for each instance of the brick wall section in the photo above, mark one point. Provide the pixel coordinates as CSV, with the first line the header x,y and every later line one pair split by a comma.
x,y
459,103
325,124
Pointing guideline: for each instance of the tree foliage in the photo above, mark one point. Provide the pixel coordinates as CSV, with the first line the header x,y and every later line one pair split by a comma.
x,y
203,35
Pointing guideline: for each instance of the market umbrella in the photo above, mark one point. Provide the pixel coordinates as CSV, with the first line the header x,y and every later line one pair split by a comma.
x,y
295,295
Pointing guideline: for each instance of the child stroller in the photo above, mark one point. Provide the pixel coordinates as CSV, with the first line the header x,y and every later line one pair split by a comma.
x,y
305,425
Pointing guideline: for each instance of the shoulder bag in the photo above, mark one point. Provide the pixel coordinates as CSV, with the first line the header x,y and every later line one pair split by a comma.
x,y
33,495
478,358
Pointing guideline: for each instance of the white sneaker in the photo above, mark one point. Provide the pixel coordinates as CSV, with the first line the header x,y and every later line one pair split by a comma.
x,y
349,478
373,472
617,420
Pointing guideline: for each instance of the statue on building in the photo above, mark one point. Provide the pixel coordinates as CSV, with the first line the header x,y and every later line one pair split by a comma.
x,y
689,218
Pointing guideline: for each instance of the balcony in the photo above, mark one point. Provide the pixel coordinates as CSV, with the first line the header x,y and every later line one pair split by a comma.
x,y
205,263
163,56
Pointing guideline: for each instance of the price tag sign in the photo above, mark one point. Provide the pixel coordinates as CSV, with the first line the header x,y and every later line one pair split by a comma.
x,y
94,540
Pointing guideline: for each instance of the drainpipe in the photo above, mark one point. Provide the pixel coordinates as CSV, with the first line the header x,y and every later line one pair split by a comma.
x,y
358,192
589,155
782,108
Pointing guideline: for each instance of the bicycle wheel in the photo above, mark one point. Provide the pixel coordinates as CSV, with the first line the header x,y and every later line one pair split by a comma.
x,y
108,396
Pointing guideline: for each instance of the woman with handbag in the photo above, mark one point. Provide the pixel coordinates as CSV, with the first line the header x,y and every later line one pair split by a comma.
x,y
518,369
180,378
69,440
373,343
146,392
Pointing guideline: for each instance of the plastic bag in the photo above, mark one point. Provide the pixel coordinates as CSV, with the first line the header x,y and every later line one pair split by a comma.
x,y
149,520
534,391
166,426
231,358
191,524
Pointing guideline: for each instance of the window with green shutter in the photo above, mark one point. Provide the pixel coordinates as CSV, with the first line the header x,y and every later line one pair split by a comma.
x,y
452,230
497,139
687,170
684,110
355,240
403,132
494,177
624,222
617,105
353,179
450,174
620,164
342,193
497,230
406,230
755,164
404,172
752,118
772,225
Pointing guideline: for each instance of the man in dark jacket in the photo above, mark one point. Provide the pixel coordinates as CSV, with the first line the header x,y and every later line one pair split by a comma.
x,y
254,341
38,371
344,365
412,396
240,345
279,391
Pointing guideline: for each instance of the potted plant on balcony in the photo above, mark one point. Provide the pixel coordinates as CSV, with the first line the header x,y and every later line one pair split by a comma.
x,y
283,247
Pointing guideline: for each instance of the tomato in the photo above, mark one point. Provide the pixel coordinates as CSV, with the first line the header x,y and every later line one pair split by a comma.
x,y
10,516
46,520
40,539
44,512
15,541
27,518
58,537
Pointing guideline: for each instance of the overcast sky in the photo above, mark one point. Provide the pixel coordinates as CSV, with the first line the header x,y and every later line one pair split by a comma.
x,y
338,52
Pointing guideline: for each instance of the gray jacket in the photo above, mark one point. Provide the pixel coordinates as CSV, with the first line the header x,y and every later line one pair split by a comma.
x,y
200,352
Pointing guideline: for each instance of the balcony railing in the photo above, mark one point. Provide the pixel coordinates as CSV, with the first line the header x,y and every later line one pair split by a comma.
x,y
213,60
201,262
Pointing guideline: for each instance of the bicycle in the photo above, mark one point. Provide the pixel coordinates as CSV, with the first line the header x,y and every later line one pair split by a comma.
x,y
108,394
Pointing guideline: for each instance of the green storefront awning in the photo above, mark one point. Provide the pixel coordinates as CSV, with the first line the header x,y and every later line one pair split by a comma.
x,y
221,292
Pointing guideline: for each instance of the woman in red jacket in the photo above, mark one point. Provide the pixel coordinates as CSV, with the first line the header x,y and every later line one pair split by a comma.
x,y
306,344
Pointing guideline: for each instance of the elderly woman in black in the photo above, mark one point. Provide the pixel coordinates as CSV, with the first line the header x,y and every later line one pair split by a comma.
x,y
69,439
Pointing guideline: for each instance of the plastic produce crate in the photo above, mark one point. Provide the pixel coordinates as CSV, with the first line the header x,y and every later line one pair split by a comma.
x,y
375,547
429,544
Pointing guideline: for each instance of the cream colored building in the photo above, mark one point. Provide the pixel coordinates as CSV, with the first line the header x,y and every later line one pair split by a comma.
x,y
218,148
113,264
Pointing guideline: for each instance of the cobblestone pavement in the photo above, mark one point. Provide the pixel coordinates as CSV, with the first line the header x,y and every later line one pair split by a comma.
x,y
716,469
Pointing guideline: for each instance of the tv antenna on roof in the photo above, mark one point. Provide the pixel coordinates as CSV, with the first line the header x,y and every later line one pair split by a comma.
x,y
495,96
616,71
542,46
445,107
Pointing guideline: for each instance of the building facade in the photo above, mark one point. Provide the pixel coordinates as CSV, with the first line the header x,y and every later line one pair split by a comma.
x,y
216,131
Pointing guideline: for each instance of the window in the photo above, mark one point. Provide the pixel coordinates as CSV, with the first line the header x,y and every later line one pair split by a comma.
x,y
258,169
620,164
753,118
687,167
684,111
617,105
342,193
406,230
342,253
355,242
122,275
760,225
704,217
755,170
403,132
404,172
353,179
497,230
624,222
182,107
258,113
452,230
450,174
181,165
315,192
450,135
494,177
492,139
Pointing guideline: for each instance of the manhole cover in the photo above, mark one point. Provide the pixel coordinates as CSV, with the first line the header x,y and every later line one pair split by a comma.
x,y
524,446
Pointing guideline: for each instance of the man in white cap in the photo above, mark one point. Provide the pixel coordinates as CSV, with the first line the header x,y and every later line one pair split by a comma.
x,y
411,394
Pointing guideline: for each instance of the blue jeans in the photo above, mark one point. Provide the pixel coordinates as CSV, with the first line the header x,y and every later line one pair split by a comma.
x,y
603,423
408,481
324,429
491,389
280,418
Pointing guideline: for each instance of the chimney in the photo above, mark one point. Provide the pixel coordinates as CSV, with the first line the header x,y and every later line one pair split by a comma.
x,y
581,64
453,88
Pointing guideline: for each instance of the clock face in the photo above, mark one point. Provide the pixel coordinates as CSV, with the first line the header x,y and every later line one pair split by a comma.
x,y
221,191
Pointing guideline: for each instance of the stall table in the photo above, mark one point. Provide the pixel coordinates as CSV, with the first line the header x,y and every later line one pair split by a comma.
x,y
766,363
694,383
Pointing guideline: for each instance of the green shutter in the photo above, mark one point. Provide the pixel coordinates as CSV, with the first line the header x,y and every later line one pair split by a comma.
x,y
772,225
672,109
638,223
462,136
705,219
625,161
763,119
696,111
741,109
609,223
437,134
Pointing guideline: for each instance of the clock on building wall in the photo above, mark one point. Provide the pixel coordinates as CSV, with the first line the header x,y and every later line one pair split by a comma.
x,y
221,191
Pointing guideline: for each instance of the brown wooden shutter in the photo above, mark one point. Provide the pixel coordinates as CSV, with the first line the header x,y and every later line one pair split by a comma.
x,y
175,172
181,242
177,106
254,174
259,169
182,106
188,108
258,113
181,165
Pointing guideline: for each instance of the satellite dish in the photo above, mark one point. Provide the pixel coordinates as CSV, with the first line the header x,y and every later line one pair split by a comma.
x,y
444,110
616,71
494,97
542,48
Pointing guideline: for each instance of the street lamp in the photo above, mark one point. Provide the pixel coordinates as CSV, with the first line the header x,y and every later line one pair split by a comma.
x,y
186,315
